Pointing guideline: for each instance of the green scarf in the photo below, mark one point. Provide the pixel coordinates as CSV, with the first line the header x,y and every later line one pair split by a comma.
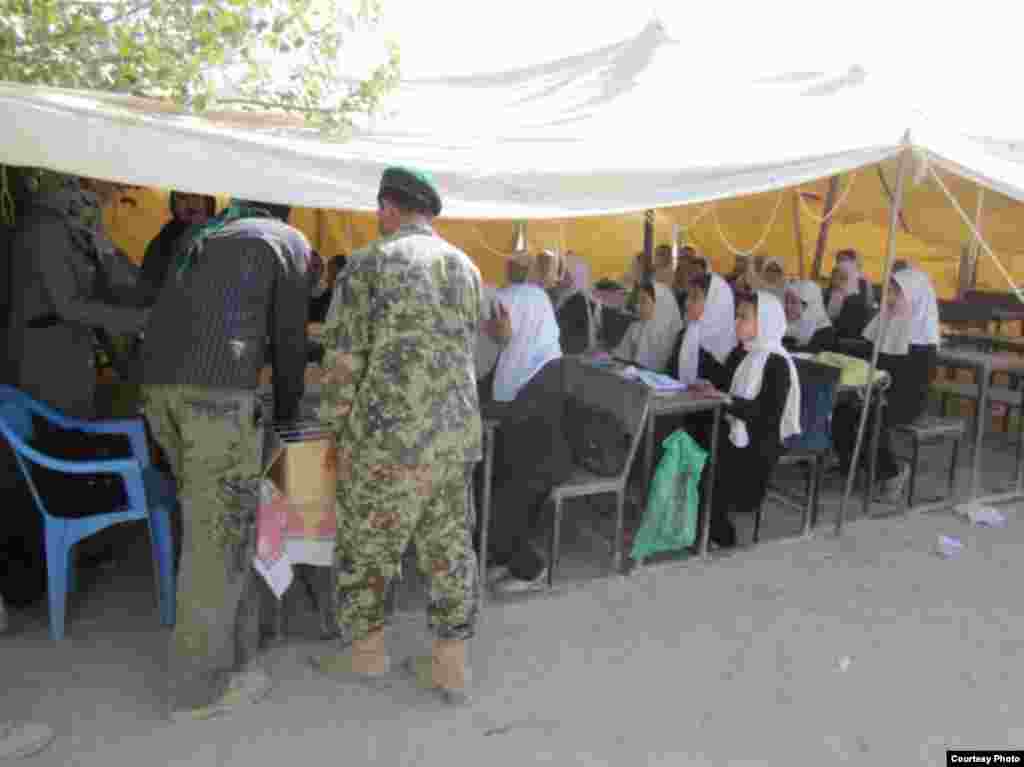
x,y
195,237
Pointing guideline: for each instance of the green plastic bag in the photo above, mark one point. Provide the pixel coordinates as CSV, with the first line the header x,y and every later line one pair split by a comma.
x,y
670,519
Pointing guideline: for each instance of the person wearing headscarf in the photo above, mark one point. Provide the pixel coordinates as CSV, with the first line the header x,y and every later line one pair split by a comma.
x,y
906,330
702,350
649,342
62,309
531,453
925,330
773,277
809,329
848,300
691,264
576,309
710,334
235,299
524,325
323,292
741,268
765,410
487,349
187,210
851,256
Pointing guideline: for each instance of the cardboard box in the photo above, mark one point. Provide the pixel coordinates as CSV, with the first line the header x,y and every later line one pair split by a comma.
x,y
303,473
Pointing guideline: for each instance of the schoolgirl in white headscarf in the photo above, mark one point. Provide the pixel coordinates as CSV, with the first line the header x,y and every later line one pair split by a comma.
x,y
907,317
711,314
804,302
749,375
535,335
649,343
763,413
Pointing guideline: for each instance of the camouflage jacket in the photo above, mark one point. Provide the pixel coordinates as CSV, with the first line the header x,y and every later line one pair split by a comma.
x,y
400,383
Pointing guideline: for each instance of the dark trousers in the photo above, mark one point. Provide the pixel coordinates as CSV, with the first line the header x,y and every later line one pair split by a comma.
x,y
845,421
906,400
741,482
516,512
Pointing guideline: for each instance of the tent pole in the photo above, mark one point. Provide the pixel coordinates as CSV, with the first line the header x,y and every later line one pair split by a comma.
x,y
976,239
888,194
649,240
826,224
894,218
798,232
520,237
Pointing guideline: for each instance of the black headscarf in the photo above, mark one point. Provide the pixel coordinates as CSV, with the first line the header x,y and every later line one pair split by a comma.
x,y
161,252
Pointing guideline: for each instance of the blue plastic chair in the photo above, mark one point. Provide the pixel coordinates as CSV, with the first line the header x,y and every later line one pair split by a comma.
x,y
150,497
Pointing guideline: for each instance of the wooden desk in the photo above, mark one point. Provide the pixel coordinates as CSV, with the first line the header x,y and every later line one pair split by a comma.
x,y
984,364
685,403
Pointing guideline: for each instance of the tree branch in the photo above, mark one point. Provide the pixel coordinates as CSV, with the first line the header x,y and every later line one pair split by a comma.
x,y
278,105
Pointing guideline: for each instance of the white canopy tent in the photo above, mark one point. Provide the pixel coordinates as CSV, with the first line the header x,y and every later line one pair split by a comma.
x,y
579,136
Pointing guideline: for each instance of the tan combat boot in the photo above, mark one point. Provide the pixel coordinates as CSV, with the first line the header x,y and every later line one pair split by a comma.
x,y
366,662
444,672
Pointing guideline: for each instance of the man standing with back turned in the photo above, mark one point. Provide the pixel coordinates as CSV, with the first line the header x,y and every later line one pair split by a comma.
x,y
235,300
400,392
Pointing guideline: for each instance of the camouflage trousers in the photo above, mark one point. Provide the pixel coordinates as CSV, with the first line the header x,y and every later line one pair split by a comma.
x,y
384,508
212,440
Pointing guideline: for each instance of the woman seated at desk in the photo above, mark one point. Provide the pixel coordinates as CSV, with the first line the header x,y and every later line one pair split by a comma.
x,y
576,309
909,331
531,454
809,329
765,410
703,349
848,300
710,333
649,341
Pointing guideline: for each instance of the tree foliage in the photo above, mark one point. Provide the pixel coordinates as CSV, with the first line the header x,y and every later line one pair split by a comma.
x,y
253,54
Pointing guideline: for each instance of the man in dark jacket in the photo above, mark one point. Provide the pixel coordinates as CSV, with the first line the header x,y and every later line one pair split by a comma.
x,y
187,210
235,299
59,291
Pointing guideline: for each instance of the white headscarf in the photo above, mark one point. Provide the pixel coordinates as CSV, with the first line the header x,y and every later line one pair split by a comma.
x,y
838,296
897,326
775,285
746,381
924,324
813,316
715,331
534,342
578,280
650,343
487,350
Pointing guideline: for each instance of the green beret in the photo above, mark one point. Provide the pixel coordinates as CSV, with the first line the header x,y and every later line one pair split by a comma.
x,y
417,184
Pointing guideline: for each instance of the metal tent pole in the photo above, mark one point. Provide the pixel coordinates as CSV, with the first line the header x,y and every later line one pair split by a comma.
x,y
894,218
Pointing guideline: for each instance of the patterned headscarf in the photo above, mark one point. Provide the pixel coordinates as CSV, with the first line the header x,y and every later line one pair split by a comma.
x,y
194,239
80,209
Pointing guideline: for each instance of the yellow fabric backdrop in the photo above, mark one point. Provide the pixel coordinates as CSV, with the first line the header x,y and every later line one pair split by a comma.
x,y
935,242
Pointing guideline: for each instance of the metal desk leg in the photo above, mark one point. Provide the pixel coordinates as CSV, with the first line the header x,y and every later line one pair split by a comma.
x,y
705,517
872,459
984,373
1020,450
485,509
649,450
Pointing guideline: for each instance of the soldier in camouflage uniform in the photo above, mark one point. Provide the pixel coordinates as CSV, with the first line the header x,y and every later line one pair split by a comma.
x,y
242,280
400,392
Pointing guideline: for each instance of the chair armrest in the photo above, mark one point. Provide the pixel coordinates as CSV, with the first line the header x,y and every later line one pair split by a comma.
x,y
128,469
124,466
49,413
133,428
